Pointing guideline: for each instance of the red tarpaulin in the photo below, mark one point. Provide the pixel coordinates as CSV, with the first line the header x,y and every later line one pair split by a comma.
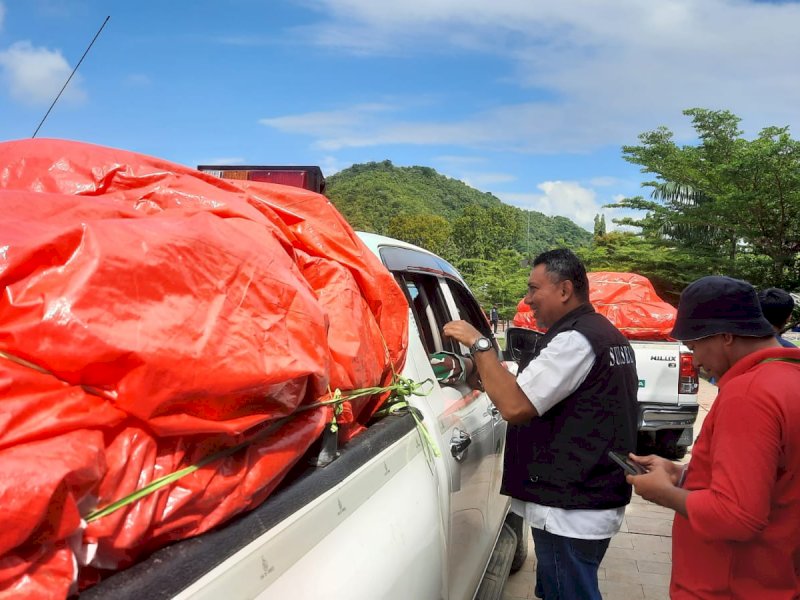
x,y
150,316
627,300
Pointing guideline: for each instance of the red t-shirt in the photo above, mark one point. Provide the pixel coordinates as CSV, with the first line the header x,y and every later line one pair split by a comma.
x,y
742,537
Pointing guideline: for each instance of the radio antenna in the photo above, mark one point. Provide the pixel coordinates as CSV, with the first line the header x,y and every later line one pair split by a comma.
x,y
70,76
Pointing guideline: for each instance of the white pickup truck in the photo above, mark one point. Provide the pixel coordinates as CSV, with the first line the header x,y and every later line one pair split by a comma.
x,y
388,518
668,384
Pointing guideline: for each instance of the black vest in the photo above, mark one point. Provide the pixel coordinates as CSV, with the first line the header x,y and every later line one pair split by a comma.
x,y
561,459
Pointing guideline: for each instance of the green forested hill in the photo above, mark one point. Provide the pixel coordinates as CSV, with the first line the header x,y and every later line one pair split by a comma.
x,y
484,238
421,206
371,194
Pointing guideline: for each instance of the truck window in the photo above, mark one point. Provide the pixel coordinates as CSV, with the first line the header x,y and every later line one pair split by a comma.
x,y
430,310
468,310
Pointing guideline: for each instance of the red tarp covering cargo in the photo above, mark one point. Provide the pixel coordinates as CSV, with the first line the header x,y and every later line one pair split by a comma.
x,y
150,316
627,300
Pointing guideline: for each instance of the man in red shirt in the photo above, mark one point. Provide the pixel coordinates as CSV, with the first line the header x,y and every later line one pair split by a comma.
x,y
736,533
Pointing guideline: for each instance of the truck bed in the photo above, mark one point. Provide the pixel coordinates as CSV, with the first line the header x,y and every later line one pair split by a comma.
x,y
170,570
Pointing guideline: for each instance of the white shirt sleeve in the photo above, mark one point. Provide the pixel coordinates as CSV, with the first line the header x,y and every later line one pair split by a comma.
x,y
558,370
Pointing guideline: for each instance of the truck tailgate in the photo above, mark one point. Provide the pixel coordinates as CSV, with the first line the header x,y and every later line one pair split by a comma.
x,y
657,365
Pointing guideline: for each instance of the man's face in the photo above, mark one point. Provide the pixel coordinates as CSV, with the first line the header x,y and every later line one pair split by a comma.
x,y
710,354
545,298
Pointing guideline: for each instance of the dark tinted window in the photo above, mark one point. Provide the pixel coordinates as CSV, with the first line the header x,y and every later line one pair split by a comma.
x,y
468,308
430,309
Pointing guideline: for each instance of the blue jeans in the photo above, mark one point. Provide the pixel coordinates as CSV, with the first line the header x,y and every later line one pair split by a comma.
x,y
566,568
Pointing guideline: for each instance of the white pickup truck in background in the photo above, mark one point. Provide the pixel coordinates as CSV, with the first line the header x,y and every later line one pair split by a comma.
x,y
389,518
668,384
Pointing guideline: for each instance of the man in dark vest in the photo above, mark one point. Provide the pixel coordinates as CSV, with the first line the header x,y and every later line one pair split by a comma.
x,y
568,407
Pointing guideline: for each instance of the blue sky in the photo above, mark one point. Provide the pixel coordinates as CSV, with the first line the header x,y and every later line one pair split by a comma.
x,y
528,99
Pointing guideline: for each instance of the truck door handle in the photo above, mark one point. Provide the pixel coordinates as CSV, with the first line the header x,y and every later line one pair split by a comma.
x,y
459,443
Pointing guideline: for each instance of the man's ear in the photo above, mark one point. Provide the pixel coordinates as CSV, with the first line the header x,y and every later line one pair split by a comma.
x,y
567,290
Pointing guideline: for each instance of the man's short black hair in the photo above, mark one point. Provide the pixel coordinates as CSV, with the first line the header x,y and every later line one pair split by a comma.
x,y
563,265
777,305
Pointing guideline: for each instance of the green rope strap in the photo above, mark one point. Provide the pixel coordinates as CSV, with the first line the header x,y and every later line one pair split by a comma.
x,y
401,407
400,389
161,482
23,362
29,365
396,403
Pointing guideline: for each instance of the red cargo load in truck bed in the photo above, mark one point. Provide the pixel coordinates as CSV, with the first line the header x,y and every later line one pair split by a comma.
x,y
628,300
152,318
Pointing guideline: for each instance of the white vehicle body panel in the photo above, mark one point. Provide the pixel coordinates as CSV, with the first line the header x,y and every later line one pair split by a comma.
x,y
658,368
344,544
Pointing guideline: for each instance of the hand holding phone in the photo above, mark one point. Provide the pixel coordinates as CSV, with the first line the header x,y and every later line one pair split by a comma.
x,y
630,467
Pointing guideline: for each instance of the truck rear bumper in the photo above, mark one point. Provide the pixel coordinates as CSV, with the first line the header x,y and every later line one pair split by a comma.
x,y
655,417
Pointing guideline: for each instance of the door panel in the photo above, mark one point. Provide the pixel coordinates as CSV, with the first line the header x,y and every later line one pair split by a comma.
x,y
463,304
466,436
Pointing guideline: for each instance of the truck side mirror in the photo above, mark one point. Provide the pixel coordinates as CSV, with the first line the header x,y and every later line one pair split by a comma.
x,y
520,341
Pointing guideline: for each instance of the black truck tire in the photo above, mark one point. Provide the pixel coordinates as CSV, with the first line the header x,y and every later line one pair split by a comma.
x,y
667,444
520,527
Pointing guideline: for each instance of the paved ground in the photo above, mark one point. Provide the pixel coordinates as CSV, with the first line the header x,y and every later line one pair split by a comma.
x,y
639,558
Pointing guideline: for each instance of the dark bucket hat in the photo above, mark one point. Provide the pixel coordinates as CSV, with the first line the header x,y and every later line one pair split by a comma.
x,y
716,304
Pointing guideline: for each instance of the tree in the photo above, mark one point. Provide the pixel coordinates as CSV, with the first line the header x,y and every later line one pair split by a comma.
x,y
732,202
501,281
431,232
599,225
482,232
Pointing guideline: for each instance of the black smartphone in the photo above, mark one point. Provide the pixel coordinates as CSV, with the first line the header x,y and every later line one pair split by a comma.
x,y
630,467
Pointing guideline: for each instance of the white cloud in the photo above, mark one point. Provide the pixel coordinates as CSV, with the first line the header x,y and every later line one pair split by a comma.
x,y
331,165
603,181
335,129
2,14
34,76
377,124
568,199
327,121
525,127
565,198
137,80
608,69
